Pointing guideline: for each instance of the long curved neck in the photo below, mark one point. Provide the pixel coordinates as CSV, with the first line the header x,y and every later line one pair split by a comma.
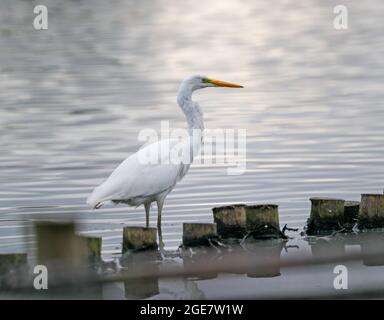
x,y
192,111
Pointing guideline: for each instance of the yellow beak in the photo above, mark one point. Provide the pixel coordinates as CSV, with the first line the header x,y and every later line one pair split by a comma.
x,y
220,83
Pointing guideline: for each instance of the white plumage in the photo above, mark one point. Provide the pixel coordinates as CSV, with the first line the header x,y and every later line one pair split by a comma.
x,y
151,173
136,181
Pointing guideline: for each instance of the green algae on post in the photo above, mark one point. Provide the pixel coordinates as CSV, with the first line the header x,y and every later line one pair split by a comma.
x,y
198,234
262,214
263,220
327,215
230,220
371,213
57,241
141,287
139,238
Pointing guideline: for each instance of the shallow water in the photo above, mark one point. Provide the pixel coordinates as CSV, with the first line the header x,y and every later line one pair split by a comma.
x,y
74,98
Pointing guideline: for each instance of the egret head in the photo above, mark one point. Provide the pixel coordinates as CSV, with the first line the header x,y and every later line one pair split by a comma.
x,y
199,82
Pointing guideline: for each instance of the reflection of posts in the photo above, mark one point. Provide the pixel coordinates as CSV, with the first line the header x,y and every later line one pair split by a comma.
x,y
328,249
327,215
264,258
198,235
8,261
230,221
199,257
141,288
263,220
372,249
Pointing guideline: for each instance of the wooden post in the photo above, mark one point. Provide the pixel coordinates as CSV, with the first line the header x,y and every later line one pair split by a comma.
x,y
230,221
263,220
139,238
327,215
197,234
371,214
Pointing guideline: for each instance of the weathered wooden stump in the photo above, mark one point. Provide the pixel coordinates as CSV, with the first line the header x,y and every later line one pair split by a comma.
x,y
351,212
230,220
327,215
263,220
371,213
139,238
91,247
198,234
372,248
146,261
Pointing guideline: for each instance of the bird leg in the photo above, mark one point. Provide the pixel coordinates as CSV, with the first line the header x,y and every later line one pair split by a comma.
x,y
160,204
147,207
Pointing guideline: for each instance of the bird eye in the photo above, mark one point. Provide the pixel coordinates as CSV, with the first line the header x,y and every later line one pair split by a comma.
x,y
204,80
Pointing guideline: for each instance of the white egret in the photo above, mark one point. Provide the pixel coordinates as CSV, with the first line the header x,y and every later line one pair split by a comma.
x,y
135,182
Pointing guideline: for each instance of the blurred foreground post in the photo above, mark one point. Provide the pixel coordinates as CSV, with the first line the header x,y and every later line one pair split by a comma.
x,y
92,247
66,257
198,234
327,215
371,214
146,261
139,238
13,268
11,260
58,242
372,248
